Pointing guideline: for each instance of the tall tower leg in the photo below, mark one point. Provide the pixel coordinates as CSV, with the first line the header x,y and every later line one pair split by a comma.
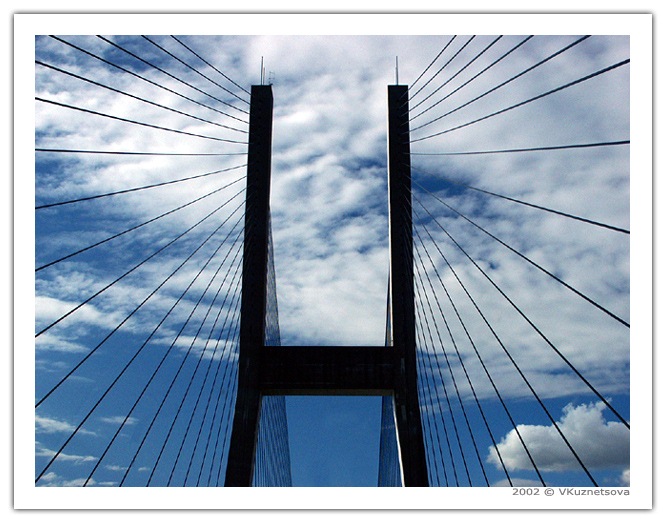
x,y
403,332
242,449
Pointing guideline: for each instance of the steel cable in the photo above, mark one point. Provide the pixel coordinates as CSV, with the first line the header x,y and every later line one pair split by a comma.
x,y
135,189
164,357
530,100
531,262
144,79
506,82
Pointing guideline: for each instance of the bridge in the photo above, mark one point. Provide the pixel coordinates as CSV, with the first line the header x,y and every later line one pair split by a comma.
x,y
186,228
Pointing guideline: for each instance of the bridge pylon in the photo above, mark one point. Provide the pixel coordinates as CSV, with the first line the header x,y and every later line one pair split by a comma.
x,y
357,370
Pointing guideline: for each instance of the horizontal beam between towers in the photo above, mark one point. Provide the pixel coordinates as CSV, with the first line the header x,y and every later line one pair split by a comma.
x,y
327,370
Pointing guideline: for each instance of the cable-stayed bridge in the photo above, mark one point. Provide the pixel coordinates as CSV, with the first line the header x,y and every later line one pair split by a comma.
x,y
506,291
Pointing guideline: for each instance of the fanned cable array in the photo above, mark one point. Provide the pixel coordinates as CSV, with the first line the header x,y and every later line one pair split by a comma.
x,y
520,248
273,466
490,128
388,474
139,264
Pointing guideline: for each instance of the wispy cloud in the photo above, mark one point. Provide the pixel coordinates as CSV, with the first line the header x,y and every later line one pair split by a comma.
x,y
75,459
51,479
47,425
117,420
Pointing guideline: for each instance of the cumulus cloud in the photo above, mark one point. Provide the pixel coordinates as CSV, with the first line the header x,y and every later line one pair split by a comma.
x,y
598,442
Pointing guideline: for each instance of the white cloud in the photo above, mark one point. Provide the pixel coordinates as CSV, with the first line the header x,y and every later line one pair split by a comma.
x,y
517,482
45,425
51,479
115,468
598,443
42,451
203,347
117,420
625,479
50,309
50,342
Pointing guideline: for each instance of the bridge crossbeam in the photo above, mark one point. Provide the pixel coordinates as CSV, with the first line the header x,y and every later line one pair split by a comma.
x,y
346,370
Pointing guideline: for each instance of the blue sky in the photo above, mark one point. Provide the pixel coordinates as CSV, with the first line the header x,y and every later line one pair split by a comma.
x,y
329,224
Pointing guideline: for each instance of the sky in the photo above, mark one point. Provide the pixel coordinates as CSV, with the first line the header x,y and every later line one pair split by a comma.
x,y
329,217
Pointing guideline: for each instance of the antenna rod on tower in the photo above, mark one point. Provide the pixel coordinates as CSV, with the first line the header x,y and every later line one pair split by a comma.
x,y
396,71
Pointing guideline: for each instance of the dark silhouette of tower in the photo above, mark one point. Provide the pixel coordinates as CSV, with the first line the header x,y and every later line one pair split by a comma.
x,y
383,370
